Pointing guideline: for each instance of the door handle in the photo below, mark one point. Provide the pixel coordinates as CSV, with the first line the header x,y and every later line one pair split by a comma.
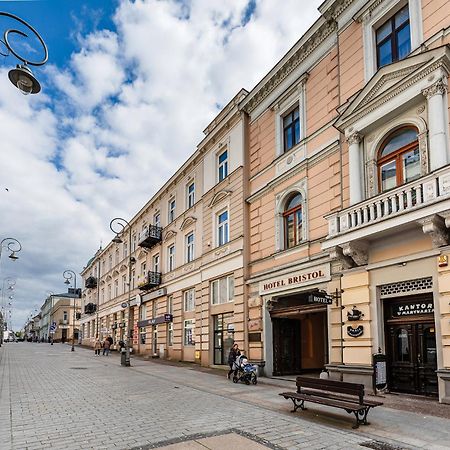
x,y
419,358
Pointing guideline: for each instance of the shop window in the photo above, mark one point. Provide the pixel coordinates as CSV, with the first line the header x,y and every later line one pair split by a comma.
x,y
293,221
399,159
189,332
393,38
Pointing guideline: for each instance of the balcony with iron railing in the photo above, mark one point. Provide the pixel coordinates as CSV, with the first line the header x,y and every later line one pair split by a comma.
x,y
91,282
151,280
150,236
396,208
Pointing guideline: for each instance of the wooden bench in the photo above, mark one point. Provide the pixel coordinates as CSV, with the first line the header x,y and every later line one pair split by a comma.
x,y
347,396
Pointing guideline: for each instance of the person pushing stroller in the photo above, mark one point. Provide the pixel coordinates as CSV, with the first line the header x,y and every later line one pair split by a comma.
x,y
244,371
234,353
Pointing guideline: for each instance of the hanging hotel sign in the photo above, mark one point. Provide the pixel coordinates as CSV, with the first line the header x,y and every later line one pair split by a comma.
x,y
300,278
355,332
321,298
155,321
413,308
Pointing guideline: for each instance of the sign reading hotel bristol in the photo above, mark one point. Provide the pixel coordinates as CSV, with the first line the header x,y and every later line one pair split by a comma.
x,y
306,277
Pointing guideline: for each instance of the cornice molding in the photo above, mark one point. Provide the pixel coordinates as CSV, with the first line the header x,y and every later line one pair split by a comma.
x,y
170,234
188,221
286,68
218,197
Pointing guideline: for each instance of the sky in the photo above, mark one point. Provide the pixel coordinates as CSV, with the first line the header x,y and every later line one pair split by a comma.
x,y
127,90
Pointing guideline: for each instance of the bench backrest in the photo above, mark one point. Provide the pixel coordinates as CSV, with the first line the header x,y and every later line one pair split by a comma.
x,y
341,387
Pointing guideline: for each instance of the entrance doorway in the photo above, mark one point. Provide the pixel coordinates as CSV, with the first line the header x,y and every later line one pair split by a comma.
x,y
300,342
411,347
63,335
223,337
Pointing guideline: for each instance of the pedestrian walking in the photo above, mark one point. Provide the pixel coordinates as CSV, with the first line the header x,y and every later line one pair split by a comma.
x,y
234,353
106,346
97,347
110,339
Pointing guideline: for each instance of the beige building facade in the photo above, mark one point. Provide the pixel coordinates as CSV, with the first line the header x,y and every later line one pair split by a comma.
x,y
348,199
186,286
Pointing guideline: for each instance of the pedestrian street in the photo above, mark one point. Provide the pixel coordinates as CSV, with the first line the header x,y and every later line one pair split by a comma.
x,y
51,397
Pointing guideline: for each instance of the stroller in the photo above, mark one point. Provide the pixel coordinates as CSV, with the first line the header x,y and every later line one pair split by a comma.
x,y
244,371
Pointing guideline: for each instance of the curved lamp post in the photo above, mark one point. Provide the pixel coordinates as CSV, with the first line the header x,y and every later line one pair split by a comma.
x,y
22,77
69,276
13,245
118,225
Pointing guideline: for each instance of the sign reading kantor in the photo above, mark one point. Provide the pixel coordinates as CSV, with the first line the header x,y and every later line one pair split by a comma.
x,y
312,275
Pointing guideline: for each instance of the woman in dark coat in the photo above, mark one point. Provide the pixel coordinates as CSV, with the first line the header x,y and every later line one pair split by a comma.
x,y
234,353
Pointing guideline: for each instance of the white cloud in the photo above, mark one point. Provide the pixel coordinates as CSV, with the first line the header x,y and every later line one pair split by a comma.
x,y
127,110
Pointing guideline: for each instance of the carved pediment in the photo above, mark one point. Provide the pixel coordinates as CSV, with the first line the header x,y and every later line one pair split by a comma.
x,y
123,267
388,82
142,254
170,234
108,278
188,221
115,273
218,197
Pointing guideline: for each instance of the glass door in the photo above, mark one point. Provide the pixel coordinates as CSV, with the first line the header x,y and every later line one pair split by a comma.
x,y
223,337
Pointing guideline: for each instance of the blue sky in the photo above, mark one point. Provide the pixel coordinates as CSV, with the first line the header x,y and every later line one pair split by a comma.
x,y
128,89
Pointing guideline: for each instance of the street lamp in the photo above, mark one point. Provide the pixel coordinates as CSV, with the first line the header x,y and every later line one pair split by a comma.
x,y
22,77
118,226
13,245
70,275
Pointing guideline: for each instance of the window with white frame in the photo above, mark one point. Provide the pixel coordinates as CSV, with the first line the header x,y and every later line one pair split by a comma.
x,y
133,278
65,316
222,228
157,219
222,165
222,290
189,300
143,268
190,247
189,332
109,292
156,263
171,258
124,284
125,252
133,242
117,256
190,195
170,304
170,334
103,295
142,316
171,215
116,288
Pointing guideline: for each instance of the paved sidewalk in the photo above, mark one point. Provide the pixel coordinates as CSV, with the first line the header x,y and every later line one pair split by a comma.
x,y
53,398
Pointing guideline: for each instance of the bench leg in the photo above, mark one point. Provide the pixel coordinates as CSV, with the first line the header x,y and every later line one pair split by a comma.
x,y
298,404
361,417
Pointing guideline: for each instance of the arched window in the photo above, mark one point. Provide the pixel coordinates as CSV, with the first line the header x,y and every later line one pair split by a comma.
x,y
398,159
293,220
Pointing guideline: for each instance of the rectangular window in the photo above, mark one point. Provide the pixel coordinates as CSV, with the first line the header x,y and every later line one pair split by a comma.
x,y
189,332
116,288
125,251
222,228
171,215
124,284
190,247
190,192
393,38
110,262
154,309
133,242
117,256
65,316
143,269
170,305
109,292
103,295
222,290
171,258
157,220
156,263
189,300
133,276
291,129
223,165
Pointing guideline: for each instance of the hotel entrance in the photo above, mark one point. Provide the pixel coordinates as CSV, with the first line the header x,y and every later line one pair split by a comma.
x,y
411,346
300,343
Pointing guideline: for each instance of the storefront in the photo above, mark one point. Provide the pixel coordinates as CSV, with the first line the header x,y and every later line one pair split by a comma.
x,y
296,321
411,345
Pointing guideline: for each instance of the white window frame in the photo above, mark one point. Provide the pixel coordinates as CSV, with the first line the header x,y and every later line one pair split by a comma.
x,y
65,316
224,165
170,258
124,284
189,324
155,262
190,247
170,334
171,211
190,196
220,227
189,300
215,286
372,19
116,288
157,219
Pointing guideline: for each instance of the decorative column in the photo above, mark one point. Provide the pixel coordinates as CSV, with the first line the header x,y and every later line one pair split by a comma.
x,y
355,176
437,127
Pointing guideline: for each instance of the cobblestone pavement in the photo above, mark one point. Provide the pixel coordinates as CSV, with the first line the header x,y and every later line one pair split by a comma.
x,y
51,397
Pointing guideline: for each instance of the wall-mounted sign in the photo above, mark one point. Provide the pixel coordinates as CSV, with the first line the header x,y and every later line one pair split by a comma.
x,y
413,308
154,294
312,275
379,366
355,332
321,298
155,321
442,260
124,304
354,314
